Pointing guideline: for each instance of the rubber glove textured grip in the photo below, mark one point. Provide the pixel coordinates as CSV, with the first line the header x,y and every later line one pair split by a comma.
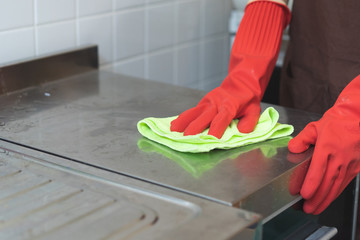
x,y
336,158
252,61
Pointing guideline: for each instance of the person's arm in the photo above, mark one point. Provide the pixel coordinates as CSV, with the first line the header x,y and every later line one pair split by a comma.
x,y
336,158
253,57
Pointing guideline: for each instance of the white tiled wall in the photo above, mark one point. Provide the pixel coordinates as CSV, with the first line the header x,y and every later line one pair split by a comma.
x,y
184,42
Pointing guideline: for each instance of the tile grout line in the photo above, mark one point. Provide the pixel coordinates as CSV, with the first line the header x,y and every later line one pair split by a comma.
x,y
175,44
77,24
36,37
114,36
201,46
146,41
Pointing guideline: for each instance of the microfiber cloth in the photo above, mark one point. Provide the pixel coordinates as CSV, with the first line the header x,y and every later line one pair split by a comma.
x,y
198,163
158,130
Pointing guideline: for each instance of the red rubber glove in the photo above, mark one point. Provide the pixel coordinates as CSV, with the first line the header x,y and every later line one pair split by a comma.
x,y
336,158
252,61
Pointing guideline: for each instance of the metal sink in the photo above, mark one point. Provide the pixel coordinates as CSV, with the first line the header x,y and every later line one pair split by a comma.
x,y
41,199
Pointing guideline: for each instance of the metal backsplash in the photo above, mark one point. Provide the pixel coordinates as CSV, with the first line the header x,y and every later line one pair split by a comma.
x,y
16,76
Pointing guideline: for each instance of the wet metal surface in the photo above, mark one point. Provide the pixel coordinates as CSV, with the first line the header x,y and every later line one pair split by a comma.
x,y
91,118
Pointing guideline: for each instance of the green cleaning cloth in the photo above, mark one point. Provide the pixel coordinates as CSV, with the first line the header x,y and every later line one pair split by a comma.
x,y
198,163
158,130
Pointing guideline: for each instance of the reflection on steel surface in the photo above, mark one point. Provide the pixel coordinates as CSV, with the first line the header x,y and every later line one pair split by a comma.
x,y
280,194
297,176
198,163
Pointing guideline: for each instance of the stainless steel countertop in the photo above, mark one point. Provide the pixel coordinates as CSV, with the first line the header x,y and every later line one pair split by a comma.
x,y
91,118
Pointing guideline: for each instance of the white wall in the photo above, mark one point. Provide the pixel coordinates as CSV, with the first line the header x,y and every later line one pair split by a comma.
x,y
183,42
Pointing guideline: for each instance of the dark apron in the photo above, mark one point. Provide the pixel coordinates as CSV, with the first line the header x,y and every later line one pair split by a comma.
x,y
323,55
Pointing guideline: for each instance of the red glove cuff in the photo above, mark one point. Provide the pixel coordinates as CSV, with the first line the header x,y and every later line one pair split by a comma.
x,y
258,41
282,3
260,31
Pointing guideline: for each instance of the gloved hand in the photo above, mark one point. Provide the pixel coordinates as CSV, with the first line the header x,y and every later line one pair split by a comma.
x,y
252,61
336,158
